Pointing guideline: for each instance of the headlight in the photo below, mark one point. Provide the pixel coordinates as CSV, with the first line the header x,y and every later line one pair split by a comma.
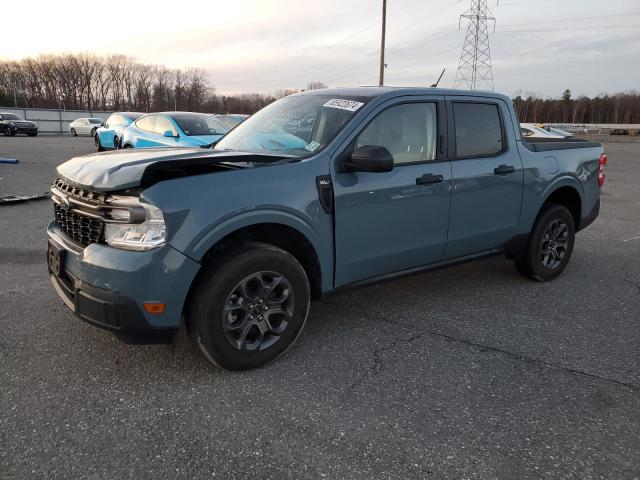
x,y
146,233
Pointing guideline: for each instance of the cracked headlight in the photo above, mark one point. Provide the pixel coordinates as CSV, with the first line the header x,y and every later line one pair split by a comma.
x,y
135,225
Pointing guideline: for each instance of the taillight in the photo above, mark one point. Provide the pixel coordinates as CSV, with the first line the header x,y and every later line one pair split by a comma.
x,y
603,162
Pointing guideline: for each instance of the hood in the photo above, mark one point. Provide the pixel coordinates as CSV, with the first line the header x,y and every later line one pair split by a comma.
x,y
130,168
21,122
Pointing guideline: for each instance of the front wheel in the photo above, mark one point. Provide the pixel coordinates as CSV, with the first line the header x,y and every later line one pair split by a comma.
x,y
249,306
550,244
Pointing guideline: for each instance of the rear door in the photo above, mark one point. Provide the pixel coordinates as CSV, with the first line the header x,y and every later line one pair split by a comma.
x,y
394,221
487,176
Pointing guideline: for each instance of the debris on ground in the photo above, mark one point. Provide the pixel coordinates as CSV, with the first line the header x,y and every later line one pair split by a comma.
x,y
22,198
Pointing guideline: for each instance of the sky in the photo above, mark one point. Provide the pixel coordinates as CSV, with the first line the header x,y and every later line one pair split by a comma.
x,y
539,46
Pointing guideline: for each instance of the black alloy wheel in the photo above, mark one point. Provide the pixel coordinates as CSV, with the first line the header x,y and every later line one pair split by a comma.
x,y
257,311
550,244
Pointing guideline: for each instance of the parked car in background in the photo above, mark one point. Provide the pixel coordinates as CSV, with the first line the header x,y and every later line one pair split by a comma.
x,y
236,240
555,131
85,126
109,136
530,130
174,129
11,124
232,119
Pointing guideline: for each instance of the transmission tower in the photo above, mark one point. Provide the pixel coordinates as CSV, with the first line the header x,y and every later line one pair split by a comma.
x,y
474,69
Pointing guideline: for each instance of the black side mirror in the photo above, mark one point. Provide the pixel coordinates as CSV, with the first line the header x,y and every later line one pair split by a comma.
x,y
370,158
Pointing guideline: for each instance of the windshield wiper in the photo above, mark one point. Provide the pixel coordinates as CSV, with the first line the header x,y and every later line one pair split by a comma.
x,y
210,145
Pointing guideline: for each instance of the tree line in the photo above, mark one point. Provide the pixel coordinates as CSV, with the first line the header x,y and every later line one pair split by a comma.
x,y
118,83
605,108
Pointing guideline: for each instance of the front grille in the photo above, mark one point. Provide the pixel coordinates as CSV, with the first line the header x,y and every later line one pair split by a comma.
x,y
85,229
82,229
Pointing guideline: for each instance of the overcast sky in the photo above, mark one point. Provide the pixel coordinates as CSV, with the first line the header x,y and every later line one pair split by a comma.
x,y
540,46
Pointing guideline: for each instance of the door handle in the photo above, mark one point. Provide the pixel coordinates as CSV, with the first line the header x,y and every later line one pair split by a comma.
x,y
428,178
504,169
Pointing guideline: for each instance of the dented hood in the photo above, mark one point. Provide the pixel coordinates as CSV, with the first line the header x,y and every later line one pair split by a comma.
x,y
123,169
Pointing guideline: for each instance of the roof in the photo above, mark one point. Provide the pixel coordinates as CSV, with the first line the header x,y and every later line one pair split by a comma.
x,y
376,91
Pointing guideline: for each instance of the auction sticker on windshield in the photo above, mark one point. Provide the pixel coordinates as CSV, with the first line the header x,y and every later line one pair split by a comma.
x,y
343,104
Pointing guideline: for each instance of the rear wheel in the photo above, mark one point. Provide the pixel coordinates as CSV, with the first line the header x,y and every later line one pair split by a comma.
x,y
73,132
550,244
249,306
96,141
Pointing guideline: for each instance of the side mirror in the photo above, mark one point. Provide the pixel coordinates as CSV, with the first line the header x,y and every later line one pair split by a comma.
x,y
169,133
370,158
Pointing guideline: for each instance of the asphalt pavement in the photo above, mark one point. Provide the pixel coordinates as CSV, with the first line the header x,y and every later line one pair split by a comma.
x,y
469,372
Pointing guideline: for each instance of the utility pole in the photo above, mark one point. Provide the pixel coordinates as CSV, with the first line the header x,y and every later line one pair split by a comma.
x,y
474,69
384,27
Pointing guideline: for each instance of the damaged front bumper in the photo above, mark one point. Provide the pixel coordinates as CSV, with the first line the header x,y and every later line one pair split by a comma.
x,y
108,287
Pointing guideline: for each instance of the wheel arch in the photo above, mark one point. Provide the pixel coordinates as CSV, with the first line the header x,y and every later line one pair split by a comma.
x,y
284,231
567,194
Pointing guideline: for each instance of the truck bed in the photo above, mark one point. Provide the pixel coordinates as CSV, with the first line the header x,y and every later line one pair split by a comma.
x,y
549,144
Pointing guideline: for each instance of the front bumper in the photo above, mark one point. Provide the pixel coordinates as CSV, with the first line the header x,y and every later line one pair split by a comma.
x,y
107,287
24,129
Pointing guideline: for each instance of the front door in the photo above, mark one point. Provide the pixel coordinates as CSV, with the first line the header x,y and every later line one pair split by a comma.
x,y
487,172
394,221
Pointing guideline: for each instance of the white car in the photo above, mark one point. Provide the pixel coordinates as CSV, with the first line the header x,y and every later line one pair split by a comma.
x,y
530,130
556,131
85,126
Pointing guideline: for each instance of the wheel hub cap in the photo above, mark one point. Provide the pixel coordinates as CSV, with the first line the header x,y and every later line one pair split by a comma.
x,y
554,245
258,311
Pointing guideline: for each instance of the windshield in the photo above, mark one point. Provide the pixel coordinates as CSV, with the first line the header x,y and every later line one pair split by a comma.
x,y
298,125
95,121
10,116
200,124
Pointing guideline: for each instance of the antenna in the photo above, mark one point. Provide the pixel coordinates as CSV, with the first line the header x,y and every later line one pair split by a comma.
x,y
439,78
474,69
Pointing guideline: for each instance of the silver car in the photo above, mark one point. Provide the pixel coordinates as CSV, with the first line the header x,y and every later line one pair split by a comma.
x,y
85,126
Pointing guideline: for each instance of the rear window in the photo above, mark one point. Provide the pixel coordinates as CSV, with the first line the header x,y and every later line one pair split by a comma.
x,y
478,129
95,121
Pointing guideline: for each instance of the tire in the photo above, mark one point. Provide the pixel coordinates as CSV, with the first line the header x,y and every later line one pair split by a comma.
x,y
73,132
96,142
265,293
127,145
10,132
116,142
550,244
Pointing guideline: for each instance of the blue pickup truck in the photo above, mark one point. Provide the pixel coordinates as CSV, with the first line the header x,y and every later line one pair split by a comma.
x,y
236,239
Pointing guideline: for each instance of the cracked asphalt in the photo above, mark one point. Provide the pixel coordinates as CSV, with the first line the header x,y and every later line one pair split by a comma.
x,y
470,372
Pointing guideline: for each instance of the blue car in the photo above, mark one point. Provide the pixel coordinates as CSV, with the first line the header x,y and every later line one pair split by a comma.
x,y
109,136
174,129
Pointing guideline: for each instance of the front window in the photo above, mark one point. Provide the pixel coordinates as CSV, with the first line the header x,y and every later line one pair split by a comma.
x,y
11,116
298,125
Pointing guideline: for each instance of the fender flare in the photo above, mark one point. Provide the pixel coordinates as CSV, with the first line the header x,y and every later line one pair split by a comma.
x,y
564,181
208,238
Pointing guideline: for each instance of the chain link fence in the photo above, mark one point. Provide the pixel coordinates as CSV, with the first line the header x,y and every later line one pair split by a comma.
x,y
54,121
